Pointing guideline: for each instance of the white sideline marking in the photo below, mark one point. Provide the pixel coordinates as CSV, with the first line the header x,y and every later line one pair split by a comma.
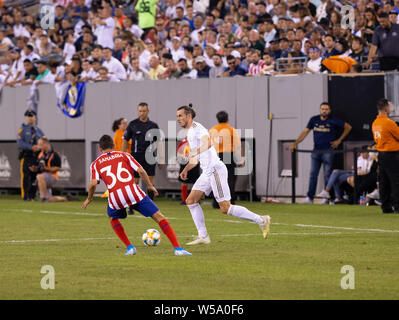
x,y
332,227
213,220
218,235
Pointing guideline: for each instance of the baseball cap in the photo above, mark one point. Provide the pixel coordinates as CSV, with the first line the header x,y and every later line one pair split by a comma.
x,y
29,113
199,59
176,38
236,54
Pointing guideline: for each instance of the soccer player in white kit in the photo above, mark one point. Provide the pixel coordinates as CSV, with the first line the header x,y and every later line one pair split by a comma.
x,y
213,178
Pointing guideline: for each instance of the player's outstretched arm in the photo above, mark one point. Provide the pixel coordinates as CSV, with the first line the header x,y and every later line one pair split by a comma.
x,y
143,175
92,188
191,164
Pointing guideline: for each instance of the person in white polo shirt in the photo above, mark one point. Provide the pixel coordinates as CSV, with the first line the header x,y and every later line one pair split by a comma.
x,y
104,28
114,66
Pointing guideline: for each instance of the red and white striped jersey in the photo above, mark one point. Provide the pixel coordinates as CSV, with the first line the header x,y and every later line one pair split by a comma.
x,y
255,69
116,170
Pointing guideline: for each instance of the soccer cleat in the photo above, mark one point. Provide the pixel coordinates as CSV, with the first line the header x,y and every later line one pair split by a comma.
x,y
265,226
325,201
307,200
200,240
324,194
130,251
375,195
182,252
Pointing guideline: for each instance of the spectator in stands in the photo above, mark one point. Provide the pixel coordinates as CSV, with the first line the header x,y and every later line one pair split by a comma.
x,y
393,16
156,69
176,50
5,42
329,44
386,42
357,50
370,25
297,47
185,71
30,73
313,65
95,65
104,75
114,66
171,72
274,49
269,67
256,66
233,68
118,49
255,41
201,67
46,47
104,27
218,68
87,73
136,73
255,25
284,47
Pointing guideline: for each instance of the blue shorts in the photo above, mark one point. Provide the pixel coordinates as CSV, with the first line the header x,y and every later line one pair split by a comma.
x,y
146,207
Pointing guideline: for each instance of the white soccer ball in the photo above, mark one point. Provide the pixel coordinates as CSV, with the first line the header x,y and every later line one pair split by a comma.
x,y
151,237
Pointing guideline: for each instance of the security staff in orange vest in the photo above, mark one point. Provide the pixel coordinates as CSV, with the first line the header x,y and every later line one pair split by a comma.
x,y
227,143
386,136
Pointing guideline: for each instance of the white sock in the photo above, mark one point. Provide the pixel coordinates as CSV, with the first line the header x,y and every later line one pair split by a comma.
x,y
244,213
198,217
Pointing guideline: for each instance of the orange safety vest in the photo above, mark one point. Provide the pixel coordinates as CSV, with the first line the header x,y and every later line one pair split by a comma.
x,y
54,174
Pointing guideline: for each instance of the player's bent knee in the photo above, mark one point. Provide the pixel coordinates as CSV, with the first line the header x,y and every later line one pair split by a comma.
x,y
190,201
224,208
158,216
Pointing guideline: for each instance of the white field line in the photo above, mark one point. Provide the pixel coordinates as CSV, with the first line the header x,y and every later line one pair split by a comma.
x,y
212,220
185,236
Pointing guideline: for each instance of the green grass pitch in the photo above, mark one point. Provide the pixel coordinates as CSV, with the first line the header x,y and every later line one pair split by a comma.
x,y
302,259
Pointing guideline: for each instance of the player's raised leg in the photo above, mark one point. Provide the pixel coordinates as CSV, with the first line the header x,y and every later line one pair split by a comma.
x,y
243,213
198,216
221,192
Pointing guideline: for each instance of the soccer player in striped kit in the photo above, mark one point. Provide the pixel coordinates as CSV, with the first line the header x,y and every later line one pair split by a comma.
x,y
116,169
213,178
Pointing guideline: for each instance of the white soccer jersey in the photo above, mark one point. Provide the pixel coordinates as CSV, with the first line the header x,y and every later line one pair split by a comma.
x,y
208,159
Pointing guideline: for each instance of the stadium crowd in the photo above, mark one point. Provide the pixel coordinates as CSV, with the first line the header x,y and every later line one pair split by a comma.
x,y
114,40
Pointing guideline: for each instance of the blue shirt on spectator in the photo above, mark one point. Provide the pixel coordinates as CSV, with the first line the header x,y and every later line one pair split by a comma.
x,y
203,73
239,71
324,131
334,52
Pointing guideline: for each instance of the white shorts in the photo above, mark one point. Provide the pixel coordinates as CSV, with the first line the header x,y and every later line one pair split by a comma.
x,y
215,182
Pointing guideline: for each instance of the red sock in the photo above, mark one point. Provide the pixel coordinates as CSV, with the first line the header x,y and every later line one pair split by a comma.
x,y
170,233
118,228
184,191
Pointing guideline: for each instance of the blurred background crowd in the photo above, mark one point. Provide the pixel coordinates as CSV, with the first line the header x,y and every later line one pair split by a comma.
x,y
115,40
